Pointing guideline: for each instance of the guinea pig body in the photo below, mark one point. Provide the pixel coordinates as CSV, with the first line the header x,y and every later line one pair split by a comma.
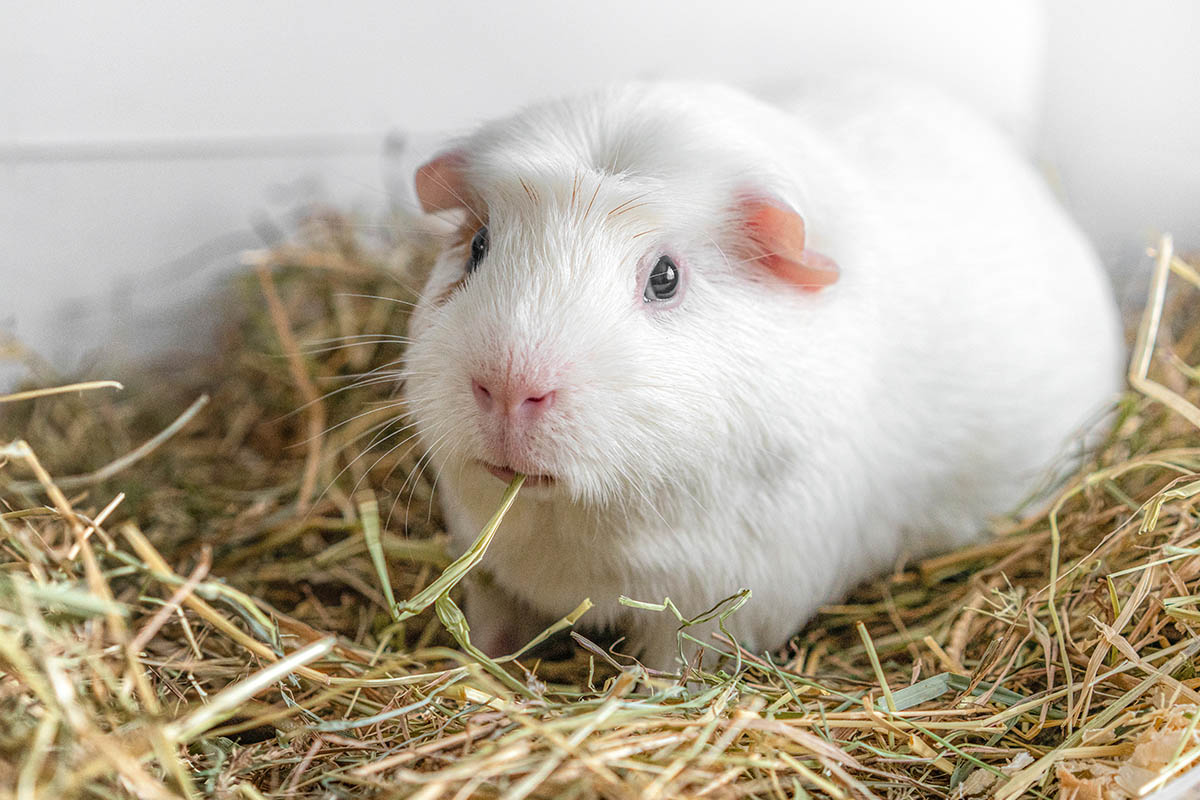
x,y
737,346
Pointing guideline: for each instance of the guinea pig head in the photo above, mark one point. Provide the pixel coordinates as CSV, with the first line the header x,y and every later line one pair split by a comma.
x,y
572,329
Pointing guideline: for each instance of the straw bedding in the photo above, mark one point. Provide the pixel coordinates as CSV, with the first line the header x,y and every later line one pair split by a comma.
x,y
229,580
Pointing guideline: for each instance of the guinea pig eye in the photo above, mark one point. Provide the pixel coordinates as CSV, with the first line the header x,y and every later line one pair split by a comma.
x,y
663,282
479,248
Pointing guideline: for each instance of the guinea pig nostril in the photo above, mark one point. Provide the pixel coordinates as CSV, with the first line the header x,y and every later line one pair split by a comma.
x,y
482,396
537,404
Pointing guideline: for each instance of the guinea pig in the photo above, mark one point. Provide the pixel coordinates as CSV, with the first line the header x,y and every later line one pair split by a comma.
x,y
733,345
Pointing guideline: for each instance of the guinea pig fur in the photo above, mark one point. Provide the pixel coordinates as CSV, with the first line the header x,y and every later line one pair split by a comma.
x,y
740,346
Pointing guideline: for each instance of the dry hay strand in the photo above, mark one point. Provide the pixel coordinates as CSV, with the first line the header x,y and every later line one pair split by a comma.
x,y
204,581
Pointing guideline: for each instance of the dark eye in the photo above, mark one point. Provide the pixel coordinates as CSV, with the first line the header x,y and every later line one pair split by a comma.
x,y
663,282
479,248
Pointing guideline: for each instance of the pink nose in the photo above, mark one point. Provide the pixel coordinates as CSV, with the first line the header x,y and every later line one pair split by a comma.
x,y
512,399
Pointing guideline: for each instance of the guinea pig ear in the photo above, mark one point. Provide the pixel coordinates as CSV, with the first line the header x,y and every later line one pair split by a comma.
x,y
441,184
778,237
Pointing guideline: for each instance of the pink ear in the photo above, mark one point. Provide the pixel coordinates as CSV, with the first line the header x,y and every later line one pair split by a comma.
x,y
779,232
440,183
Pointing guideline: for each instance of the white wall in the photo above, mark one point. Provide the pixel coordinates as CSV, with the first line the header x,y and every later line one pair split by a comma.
x,y
1121,125
128,70
139,140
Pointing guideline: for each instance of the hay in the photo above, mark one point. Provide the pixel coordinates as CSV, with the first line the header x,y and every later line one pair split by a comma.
x,y
206,597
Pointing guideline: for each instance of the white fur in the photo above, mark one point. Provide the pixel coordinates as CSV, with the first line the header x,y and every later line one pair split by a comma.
x,y
759,436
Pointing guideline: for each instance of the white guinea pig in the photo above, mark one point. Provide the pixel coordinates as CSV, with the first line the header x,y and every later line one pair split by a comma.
x,y
737,346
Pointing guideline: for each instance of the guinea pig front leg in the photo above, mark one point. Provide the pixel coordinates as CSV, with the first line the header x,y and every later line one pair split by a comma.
x,y
661,652
660,646
657,645
500,623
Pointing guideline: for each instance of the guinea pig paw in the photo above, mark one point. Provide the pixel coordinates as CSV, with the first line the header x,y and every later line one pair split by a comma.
x,y
500,623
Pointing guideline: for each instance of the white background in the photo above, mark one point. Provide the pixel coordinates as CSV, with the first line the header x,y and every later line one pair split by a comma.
x,y
141,144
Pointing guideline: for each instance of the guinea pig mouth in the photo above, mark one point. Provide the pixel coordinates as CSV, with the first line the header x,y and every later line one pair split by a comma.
x,y
506,474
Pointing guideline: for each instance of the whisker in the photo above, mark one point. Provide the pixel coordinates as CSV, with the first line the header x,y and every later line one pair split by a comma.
x,y
347,421
357,336
432,487
414,477
377,430
395,300
374,464
382,369
312,351
327,395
